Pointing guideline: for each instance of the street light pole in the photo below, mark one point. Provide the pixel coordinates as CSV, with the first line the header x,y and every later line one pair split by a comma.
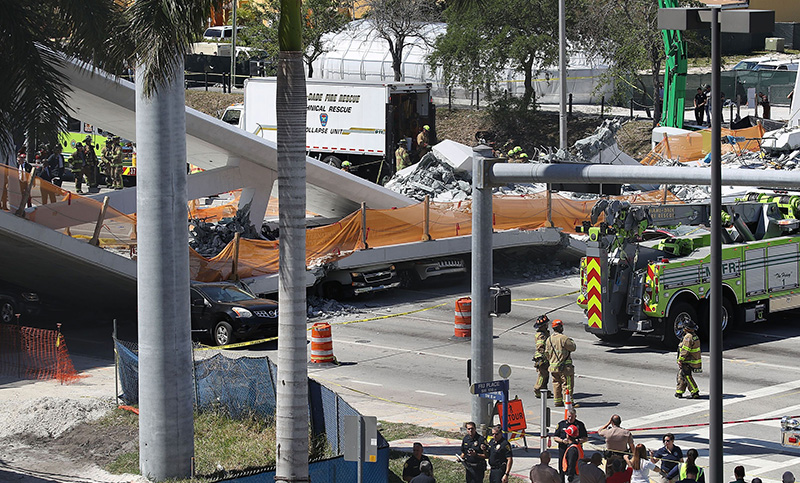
x,y
715,434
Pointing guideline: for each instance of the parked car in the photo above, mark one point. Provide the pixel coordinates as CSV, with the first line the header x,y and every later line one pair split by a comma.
x,y
777,65
749,64
220,33
229,312
17,300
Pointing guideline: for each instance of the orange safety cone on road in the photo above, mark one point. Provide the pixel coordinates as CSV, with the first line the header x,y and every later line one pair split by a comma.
x,y
567,403
321,343
463,320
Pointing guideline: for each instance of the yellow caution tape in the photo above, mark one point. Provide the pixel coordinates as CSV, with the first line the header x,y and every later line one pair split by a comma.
x,y
204,347
390,316
380,317
536,299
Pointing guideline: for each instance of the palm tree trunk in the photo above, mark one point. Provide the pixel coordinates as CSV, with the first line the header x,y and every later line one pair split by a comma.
x,y
292,392
166,426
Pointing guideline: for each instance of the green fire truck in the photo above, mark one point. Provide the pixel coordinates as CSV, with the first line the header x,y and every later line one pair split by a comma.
x,y
76,133
647,266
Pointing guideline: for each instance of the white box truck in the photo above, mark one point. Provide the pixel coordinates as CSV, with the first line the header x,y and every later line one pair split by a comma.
x,y
359,122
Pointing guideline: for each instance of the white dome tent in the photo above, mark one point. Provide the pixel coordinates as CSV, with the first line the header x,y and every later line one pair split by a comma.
x,y
357,53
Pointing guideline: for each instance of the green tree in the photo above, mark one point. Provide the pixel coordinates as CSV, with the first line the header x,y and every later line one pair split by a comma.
x,y
625,33
483,40
398,22
319,17
38,35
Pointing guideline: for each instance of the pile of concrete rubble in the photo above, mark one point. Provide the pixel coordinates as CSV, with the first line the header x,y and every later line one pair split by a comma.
x,y
208,239
434,177
322,308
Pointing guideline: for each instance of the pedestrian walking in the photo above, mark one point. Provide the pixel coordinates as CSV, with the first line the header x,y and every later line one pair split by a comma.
x,y
540,361
573,454
558,350
543,472
619,441
670,457
500,456
560,436
474,454
641,464
689,361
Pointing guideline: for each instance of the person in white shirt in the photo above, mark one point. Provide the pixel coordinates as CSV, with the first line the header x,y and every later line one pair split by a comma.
x,y
641,464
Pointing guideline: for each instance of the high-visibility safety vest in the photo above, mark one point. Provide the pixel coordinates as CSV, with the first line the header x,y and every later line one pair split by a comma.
x,y
564,459
682,471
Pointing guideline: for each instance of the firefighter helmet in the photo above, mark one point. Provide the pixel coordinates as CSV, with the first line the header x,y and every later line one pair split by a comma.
x,y
572,431
558,323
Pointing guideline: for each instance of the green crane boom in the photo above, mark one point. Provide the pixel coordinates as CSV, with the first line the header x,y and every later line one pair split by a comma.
x,y
675,67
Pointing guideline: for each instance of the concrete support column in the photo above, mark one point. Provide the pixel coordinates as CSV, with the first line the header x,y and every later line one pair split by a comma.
x,y
259,182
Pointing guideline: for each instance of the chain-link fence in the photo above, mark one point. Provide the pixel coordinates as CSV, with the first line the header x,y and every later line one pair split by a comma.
x,y
246,385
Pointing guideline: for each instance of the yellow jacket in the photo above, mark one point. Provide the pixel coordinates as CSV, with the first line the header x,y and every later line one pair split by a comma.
x,y
558,350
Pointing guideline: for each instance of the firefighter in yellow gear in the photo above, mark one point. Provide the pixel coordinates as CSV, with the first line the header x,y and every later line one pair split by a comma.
x,y
689,360
558,350
106,161
116,163
540,361
401,157
423,141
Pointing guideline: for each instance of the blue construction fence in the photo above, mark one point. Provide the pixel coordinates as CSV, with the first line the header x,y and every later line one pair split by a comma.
x,y
246,385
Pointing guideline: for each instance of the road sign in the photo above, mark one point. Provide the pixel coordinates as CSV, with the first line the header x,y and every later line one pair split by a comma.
x,y
516,415
497,396
504,371
489,387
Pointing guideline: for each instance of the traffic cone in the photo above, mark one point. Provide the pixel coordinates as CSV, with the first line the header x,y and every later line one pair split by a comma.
x,y
567,403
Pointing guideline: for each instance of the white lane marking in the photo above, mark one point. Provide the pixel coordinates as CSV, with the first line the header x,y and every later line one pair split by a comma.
x,y
458,358
367,383
703,406
430,392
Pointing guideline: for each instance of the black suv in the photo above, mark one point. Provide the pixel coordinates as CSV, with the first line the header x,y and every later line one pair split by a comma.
x,y
17,300
229,312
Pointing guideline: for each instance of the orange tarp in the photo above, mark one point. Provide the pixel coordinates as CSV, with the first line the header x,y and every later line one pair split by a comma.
x,y
696,145
402,225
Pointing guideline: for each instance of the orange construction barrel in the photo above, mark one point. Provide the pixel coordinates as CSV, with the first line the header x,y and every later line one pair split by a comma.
x,y
463,322
321,343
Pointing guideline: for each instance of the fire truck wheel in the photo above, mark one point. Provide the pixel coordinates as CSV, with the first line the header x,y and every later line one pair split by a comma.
x,y
679,312
730,315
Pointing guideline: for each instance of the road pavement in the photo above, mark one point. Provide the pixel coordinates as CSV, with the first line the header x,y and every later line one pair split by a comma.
x,y
408,368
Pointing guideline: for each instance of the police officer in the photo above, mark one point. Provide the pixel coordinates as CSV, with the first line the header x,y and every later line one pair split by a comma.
x,y
500,459
411,466
689,360
401,156
558,350
90,162
116,163
473,454
78,163
539,359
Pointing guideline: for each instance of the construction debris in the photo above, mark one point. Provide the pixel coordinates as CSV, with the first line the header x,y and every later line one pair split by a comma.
x,y
322,308
208,239
433,177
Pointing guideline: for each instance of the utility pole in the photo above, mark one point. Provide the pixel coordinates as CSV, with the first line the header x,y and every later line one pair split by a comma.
x,y
233,46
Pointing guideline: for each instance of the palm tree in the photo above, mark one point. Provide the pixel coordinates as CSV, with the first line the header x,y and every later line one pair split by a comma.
x,y
292,393
163,31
